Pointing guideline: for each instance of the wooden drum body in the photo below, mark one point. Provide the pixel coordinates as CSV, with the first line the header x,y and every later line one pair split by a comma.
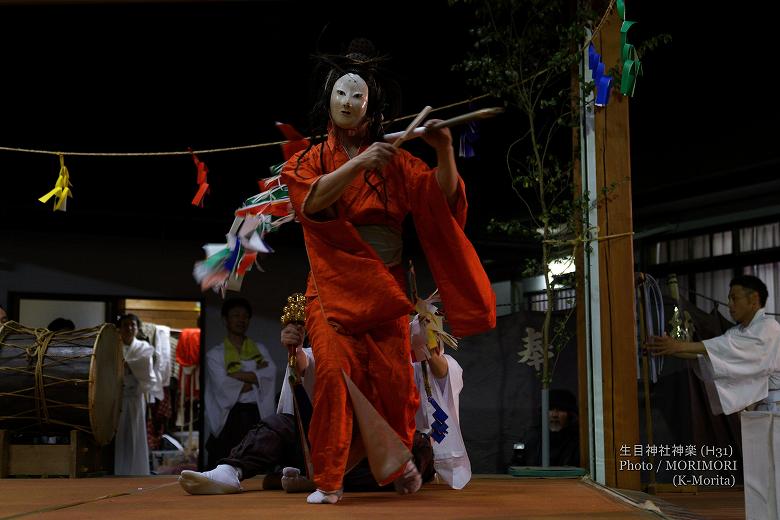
x,y
55,382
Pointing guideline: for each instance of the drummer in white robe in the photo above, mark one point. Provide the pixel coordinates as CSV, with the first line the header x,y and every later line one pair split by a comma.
x,y
240,382
131,453
741,370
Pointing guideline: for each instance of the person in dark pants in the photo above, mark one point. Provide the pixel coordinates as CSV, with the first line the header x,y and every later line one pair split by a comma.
x,y
275,443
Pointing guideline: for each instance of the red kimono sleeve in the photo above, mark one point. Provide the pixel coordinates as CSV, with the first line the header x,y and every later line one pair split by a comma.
x,y
466,292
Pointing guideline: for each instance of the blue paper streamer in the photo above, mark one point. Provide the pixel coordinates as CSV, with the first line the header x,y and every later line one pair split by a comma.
x,y
602,91
439,426
468,137
598,73
230,263
602,83
593,56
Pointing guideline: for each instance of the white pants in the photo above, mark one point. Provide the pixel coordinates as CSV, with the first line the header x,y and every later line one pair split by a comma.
x,y
761,461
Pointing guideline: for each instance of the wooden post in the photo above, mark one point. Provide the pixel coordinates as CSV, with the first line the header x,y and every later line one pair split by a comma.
x,y
77,454
616,272
5,453
583,402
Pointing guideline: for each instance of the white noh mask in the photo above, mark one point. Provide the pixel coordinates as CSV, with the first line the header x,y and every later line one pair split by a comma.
x,y
348,101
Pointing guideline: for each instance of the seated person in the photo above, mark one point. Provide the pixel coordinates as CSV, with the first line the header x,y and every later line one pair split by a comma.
x,y
450,460
275,441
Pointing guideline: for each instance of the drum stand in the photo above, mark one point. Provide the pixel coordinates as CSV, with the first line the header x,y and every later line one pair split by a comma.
x,y
80,458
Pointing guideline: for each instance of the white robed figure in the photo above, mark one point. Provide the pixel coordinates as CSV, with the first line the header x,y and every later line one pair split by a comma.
x,y
224,391
744,364
741,371
240,382
131,453
450,459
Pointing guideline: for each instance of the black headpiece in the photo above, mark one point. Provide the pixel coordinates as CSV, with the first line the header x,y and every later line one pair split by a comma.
x,y
361,58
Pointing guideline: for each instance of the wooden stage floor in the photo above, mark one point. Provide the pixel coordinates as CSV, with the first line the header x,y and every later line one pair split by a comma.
x,y
486,496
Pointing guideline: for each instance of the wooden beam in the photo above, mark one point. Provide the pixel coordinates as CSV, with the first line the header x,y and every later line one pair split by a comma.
x,y
616,271
5,453
162,305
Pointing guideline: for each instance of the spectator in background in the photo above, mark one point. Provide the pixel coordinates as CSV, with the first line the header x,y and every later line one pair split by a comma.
x,y
59,324
3,315
131,453
564,430
240,383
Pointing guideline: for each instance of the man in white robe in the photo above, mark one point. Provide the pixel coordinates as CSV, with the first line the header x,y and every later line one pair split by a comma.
x,y
240,382
131,452
742,369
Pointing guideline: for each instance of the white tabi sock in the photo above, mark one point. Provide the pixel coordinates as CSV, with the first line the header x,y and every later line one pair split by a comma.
x,y
325,497
223,479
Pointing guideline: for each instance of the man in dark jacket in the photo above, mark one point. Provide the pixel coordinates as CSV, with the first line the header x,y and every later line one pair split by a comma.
x,y
564,432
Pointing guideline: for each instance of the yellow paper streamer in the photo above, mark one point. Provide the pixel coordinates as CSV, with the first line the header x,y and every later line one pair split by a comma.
x,y
61,189
433,324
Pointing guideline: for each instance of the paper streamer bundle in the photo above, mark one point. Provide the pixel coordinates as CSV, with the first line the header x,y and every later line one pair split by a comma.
x,y
61,190
427,329
226,264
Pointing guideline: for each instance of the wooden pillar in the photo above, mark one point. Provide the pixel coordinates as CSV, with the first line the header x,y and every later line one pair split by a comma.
x,y
5,453
616,271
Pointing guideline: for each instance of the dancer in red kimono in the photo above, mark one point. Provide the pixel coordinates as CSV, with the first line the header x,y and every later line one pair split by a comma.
x,y
351,193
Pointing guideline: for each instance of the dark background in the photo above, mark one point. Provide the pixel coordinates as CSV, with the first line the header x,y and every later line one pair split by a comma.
x,y
144,76
147,77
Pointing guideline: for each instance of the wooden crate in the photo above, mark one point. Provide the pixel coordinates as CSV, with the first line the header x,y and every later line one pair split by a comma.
x,y
80,458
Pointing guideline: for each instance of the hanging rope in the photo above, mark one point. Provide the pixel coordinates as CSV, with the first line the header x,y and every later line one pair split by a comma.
x,y
206,150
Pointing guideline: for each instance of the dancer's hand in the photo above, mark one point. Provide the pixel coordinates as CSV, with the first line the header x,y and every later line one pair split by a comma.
x,y
376,156
292,335
440,138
